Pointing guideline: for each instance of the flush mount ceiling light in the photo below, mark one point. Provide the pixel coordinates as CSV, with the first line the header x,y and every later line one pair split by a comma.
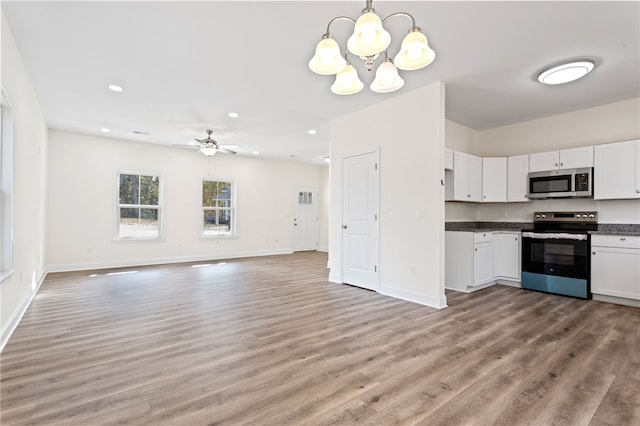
x,y
368,41
115,88
567,72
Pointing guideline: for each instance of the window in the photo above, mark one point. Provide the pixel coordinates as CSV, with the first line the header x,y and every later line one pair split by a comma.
x,y
6,186
217,208
138,205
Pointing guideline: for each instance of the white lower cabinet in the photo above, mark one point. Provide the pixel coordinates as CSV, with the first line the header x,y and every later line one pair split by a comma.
x,y
506,255
615,266
475,260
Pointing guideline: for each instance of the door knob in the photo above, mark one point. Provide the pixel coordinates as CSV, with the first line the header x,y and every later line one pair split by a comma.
x,y
344,226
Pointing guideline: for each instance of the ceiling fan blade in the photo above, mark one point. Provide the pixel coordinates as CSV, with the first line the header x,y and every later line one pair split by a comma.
x,y
184,146
226,151
230,146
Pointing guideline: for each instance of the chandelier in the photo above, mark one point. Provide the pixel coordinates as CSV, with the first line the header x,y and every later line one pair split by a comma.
x,y
368,41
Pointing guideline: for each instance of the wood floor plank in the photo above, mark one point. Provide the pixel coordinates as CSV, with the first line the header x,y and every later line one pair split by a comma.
x,y
270,341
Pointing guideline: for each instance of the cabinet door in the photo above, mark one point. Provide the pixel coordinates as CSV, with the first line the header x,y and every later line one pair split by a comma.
x,y
543,161
467,177
448,159
506,255
617,170
615,272
576,157
517,182
494,179
475,178
482,263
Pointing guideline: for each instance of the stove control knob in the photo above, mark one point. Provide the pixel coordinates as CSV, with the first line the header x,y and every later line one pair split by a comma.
x,y
543,216
584,216
592,215
577,215
537,216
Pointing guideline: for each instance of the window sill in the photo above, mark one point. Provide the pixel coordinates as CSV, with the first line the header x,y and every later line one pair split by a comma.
x,y
138,240
218,237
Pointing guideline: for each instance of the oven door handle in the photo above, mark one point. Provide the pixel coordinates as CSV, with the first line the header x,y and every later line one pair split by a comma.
x,y
552,236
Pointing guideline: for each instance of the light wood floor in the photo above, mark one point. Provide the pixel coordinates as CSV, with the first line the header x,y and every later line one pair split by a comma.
x,y
268,341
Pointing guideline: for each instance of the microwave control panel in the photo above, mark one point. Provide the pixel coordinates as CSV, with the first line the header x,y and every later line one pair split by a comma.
x,y
582,182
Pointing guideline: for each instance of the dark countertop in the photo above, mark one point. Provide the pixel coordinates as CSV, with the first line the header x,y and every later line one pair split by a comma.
x,y
486,226
630,229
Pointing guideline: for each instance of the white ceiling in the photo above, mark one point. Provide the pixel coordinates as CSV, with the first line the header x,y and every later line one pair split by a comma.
x,y
185,65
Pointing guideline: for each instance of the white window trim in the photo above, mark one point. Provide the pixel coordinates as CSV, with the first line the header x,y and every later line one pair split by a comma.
x,y
6,180
160,207
234,211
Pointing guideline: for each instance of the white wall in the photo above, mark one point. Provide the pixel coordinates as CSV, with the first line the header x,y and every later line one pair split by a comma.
x,y
606,123
82,202
325,205
408,131
29,187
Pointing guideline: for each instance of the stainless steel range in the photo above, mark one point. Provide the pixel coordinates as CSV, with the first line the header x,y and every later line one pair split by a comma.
x,y
556,253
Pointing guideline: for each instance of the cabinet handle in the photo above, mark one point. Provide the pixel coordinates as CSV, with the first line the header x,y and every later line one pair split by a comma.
x,y
556,164
515,239
623,239
468,195
476,249
593,253
637,191
561,164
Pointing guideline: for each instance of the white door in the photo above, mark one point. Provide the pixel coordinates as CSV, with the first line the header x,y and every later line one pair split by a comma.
x,y
305,219
360,221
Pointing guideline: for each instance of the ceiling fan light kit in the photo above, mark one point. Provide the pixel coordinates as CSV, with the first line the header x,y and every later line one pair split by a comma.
x,y
368,41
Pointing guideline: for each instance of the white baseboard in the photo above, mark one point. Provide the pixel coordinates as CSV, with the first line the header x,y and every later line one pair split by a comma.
x,y
335,278
617,300
19,313
422,299
323,249
161,261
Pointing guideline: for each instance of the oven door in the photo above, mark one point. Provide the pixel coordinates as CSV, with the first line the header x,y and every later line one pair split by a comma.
x,y
556,263
560,254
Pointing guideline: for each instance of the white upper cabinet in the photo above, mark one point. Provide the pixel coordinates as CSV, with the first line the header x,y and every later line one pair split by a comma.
x,y
542,161
564,159
517,170
576,158
448,159
494,179
617,170
467,177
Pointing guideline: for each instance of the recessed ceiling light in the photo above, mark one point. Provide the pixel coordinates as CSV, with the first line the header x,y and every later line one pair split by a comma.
x,y
115,88
234,115
312,132
256,152
566,73
105,130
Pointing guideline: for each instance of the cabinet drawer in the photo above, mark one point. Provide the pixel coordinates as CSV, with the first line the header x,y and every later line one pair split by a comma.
x,y
620,241
482,237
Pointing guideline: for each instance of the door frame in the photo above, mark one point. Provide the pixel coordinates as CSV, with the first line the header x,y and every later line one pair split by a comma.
x,y
376,153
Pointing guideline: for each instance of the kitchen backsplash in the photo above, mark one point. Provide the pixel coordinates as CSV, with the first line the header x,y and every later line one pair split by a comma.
x,y
609,211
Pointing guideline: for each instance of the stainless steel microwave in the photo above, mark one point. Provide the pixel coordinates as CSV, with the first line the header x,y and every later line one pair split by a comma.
x,y
569,183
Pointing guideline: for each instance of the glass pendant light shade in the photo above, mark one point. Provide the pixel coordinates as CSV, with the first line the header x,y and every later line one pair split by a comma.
x,y
327,59
415,52
369,37
208,151
387,78
347,82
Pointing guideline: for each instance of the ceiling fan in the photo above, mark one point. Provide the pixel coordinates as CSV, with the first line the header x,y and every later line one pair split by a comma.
x,y
210,147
